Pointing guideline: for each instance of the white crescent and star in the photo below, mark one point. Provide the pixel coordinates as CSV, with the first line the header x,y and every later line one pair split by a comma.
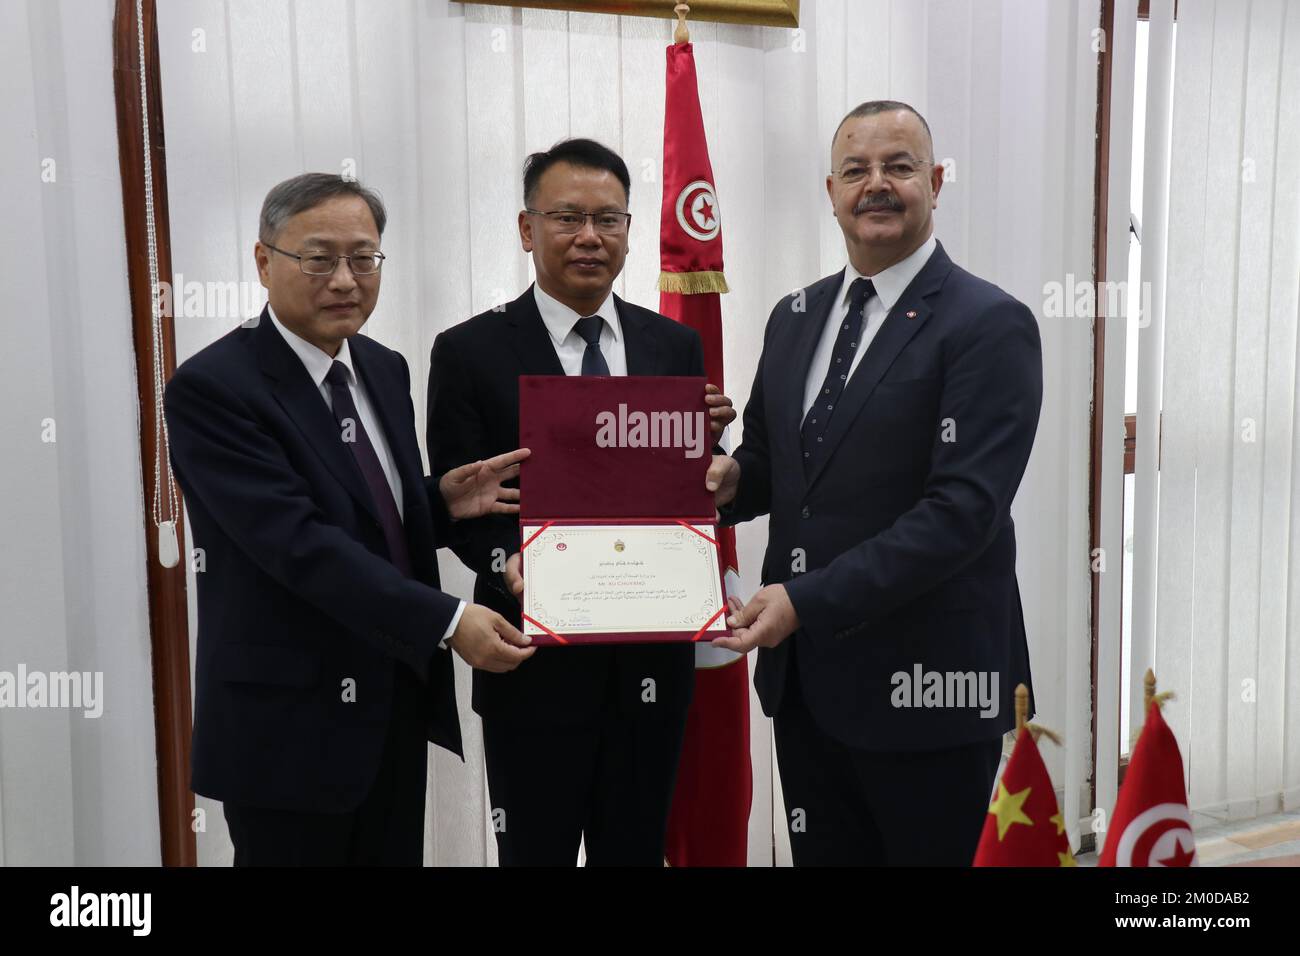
x,y
1158,836
697,210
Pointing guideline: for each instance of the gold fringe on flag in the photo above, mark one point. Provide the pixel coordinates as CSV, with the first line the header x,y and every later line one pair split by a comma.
x,y
692,283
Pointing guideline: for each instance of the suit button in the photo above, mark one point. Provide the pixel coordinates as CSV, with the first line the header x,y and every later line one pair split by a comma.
x,y
806,513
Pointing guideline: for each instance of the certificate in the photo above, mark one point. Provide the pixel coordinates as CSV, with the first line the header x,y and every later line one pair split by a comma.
x,y
647,582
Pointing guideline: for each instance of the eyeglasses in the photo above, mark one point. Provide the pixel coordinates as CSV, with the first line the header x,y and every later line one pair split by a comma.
x,y
322,264
898,170
571,221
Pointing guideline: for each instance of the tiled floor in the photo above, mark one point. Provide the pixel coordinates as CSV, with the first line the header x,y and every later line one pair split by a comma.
x,y
1266,841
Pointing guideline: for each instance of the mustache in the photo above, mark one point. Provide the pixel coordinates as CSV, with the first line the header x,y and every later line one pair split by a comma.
x,y
878,201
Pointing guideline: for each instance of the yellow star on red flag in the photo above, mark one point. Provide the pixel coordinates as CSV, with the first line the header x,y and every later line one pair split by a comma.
x,y
1024,796
1006,807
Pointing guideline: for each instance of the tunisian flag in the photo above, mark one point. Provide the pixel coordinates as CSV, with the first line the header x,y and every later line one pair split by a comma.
x,y
1024,826
1151,825
709,822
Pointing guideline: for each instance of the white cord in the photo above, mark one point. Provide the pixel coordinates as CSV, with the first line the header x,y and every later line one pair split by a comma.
x,y
161,463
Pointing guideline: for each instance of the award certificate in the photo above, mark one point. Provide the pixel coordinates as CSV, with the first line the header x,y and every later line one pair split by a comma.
x,y
612,579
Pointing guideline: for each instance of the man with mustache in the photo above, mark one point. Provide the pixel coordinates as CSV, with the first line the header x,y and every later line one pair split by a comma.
x,y
574,748
891,419
323,668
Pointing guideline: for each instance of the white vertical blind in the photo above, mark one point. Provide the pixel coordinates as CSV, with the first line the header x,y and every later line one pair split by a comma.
x,y
1114,320
1155,238
74,790
1229,562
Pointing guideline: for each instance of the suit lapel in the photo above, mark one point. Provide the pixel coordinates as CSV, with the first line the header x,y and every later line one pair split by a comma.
x,y
529,338
387,399
299,396
641,349
904,320
809,333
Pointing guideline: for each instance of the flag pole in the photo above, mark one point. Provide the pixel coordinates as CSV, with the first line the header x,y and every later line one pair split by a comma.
x,y
1148,691
1022,707
681,34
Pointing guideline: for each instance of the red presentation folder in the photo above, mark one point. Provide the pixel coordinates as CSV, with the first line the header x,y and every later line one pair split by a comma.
x,y
589,467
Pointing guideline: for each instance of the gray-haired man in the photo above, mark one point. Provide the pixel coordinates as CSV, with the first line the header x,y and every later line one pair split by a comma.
x,y
323,667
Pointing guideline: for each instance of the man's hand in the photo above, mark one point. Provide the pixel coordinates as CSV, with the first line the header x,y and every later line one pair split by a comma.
x,y
475,489
767,620
722,478
488,641
514,577
721,414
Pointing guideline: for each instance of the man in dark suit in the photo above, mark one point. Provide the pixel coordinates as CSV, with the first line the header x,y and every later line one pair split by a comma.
x,y
323,666
576,742
891,419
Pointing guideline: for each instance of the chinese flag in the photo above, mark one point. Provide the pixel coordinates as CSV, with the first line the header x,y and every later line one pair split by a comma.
x,y
1024,826
1151,825
709,822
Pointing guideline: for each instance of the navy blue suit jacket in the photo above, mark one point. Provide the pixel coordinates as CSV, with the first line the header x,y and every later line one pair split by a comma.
x,y
297,594
473,413
899,550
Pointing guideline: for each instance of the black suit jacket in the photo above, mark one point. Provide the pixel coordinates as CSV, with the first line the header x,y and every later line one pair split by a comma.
x,y
297,594
474,413
907,536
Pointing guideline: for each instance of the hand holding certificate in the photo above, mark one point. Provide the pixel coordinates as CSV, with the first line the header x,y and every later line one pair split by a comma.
x,y
618,538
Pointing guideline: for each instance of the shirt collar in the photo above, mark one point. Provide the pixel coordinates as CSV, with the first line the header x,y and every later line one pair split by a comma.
x,y
316,361
890,283
559,318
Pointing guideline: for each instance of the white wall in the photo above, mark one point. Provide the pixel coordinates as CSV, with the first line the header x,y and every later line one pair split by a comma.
x,y
73,790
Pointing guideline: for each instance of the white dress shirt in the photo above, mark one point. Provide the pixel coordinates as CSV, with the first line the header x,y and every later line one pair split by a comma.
x,y
889,285
560,320
318,363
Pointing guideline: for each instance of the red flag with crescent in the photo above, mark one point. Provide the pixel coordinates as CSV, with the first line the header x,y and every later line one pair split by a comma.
x,y
709,822
1151,825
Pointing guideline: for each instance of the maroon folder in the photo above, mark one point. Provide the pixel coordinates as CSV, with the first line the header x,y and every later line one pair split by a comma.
x,y
629,451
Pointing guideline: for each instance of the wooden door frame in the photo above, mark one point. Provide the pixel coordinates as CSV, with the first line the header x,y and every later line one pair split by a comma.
x,y
168,608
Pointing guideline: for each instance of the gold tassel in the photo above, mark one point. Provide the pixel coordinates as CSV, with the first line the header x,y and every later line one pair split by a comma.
x,y
1038,730
1022,719
692,283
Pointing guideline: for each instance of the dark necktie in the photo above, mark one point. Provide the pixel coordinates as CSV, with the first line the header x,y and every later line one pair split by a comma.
x,y
354,436
593,361
828,396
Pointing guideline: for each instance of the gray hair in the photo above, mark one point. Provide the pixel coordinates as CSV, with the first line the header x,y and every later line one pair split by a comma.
x,y
872,107
307,191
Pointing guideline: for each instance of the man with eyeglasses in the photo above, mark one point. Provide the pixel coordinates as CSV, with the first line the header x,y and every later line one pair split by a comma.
x,y
323,667
891,420
575,748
